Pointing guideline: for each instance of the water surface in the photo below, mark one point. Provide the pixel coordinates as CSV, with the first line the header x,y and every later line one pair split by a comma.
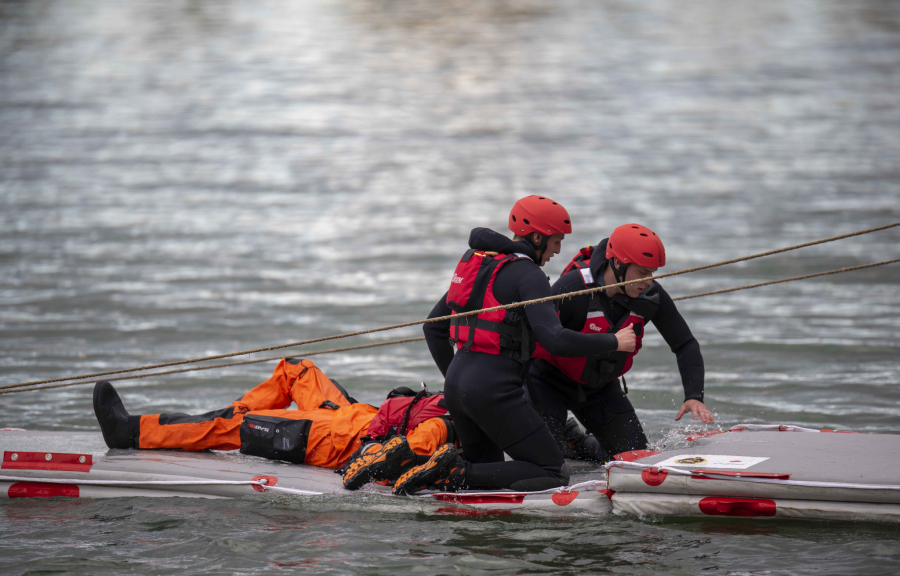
x,y
180,179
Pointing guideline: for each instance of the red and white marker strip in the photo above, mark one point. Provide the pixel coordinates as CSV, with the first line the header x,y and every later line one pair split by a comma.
x,y
643,504
260,482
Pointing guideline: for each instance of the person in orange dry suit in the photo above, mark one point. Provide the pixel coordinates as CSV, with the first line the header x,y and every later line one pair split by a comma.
x,y
325,430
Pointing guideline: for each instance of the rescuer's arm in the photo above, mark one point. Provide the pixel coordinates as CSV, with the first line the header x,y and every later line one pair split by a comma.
x,y
675,332
549,331
437,336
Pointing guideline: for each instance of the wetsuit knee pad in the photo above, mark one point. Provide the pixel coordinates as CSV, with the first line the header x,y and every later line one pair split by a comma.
x,y
622,432
275,438
543,483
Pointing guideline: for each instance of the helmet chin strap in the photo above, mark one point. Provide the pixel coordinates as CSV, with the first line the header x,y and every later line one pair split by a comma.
x,y
619,274
540,248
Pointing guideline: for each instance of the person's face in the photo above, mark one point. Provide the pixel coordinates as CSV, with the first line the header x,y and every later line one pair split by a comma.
x,y
633,273
554,245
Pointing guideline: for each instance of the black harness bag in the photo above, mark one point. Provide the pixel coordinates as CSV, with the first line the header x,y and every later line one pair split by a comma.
x,y
275,438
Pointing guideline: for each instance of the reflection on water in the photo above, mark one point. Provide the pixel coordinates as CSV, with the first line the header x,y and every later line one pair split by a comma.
x,y
180,179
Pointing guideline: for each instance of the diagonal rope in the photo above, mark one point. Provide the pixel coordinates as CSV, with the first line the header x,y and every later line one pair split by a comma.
x,y
471,313
18,387
783,280
12,388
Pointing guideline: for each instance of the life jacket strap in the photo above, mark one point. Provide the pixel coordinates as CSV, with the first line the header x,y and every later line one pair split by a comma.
x,y
403,424
600,371
518,331
482,324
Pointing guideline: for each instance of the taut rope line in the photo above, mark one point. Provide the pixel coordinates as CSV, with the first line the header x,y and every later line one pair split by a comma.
x,y
783,280
22,387
211,366
470,313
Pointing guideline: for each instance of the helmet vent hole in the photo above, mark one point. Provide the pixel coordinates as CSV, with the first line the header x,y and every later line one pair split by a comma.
x,y
642,234
514,218
542,198
566,221
555,204
525,220
648,255
635,227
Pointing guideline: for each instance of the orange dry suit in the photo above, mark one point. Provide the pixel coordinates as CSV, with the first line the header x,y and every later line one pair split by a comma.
x,y
324,430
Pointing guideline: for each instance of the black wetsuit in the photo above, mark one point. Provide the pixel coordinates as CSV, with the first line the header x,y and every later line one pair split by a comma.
x,y
606,412
484,392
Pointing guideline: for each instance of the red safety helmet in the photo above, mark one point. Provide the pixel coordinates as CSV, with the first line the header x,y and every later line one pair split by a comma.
x,y
636,244
539,214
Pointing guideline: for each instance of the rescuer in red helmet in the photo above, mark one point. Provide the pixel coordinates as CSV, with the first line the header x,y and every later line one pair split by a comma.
x,y
484,379
589,386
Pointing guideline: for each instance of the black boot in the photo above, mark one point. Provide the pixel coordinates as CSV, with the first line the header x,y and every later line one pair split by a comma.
x,y
444,471
581,446
120,430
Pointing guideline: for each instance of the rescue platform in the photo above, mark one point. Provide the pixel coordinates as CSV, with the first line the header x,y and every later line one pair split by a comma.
x,y
46,464
764,471
750,471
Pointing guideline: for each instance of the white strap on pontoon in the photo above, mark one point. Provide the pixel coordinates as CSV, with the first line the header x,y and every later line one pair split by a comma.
x,y
586,485
712,474
138,483
291,491
778,427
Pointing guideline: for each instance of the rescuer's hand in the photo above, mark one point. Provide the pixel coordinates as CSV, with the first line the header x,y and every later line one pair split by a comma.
x,y
698,409
626,339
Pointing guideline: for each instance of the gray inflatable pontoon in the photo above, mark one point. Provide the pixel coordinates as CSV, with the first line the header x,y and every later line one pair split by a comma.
x,y
46,464
764,471
750,471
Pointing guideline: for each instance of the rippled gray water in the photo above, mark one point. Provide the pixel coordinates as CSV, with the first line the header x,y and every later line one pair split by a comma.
x,y
180,179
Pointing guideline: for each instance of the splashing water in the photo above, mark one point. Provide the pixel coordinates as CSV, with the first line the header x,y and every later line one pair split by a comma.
x,y
679,436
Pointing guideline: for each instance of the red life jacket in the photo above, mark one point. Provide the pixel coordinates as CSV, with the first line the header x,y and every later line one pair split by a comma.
x,y
581,260
595,371
503,332
389,419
